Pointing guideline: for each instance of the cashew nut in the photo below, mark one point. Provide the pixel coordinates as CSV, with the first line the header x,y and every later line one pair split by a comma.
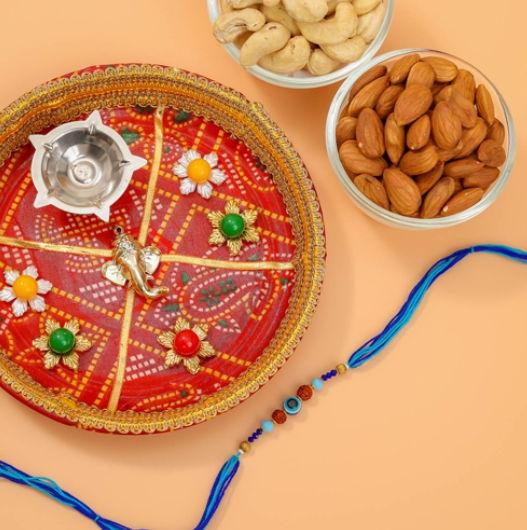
x,y
291,58
365,6
341,26
232,24
370,23
321,64
306,10
280,15
271,38
238,4
348,51
332,5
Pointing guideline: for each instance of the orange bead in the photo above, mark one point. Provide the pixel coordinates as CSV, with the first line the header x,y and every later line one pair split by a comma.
x,y
199,171
25,287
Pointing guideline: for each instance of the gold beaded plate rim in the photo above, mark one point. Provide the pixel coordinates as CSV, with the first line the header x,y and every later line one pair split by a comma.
x,y
64,99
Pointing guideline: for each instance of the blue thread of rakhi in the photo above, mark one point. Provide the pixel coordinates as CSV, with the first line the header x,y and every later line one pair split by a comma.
x,y
360,356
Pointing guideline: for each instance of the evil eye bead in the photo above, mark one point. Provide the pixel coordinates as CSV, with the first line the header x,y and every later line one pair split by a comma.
x,y
292,405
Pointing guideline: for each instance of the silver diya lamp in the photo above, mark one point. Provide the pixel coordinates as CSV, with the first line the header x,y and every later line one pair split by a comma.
x,y
82,167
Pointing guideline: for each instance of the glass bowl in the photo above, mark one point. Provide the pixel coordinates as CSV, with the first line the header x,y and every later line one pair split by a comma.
x,y
305,79
396,220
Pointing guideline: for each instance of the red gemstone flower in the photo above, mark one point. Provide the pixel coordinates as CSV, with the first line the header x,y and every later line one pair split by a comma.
x,y
186,345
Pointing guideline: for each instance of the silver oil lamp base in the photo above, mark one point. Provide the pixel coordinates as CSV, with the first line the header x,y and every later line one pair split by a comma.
x,y
82,167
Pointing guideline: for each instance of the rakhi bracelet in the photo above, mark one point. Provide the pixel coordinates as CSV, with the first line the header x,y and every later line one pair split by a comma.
x,y
291,405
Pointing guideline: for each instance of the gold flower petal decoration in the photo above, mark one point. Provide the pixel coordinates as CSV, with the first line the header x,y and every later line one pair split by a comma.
x,y
62,344
186,345
233,227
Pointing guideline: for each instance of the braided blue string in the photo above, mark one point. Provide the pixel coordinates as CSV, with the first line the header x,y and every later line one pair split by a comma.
x,y
375,345
363,354
219,488
50,488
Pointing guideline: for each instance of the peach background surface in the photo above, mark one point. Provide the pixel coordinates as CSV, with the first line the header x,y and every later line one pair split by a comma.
x,y
431,435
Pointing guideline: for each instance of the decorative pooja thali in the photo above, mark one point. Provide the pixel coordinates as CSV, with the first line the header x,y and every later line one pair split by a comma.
x,y
201,283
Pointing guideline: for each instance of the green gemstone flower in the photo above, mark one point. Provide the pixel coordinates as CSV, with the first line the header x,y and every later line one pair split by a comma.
x,y
233,227
62,344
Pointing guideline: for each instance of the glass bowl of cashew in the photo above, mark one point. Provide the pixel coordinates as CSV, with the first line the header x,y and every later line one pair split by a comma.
x,y
299,43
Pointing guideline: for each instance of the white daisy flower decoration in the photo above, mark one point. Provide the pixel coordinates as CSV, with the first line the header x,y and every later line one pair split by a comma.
x,y
24,291
198,173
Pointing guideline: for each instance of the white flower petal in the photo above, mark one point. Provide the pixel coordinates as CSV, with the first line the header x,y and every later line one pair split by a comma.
x,y
19,307
193,155
38,304
212,159
44,287
183,162
10,276
180,170
205,190
7,294
218,177
187,186
188,157
31,271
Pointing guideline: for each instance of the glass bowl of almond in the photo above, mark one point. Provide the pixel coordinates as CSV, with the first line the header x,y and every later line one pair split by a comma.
x,y
420,139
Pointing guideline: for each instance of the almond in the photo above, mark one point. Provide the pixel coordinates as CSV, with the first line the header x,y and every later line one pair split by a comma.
x,y
465,84
463,109
482,178
445,70
386,102
401,68
462,168
356,163
458,185
373,189
418,134
368,96
370,134
444,94
346,128
421,73
448,154
394,139
472,138
437,197
371,75
446,126
492,153
402,191
419,162
497,132
485,104
427,180
462,200
437,87
414,101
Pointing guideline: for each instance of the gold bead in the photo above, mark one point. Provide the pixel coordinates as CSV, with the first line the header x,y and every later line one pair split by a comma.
x,y
342,369
245,446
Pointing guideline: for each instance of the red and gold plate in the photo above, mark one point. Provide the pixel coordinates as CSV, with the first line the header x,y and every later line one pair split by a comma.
x,y
253,305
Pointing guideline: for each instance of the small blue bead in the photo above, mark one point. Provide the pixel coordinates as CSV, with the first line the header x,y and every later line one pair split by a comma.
x,y
317,384
259,431
267,426
334,373
292,405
